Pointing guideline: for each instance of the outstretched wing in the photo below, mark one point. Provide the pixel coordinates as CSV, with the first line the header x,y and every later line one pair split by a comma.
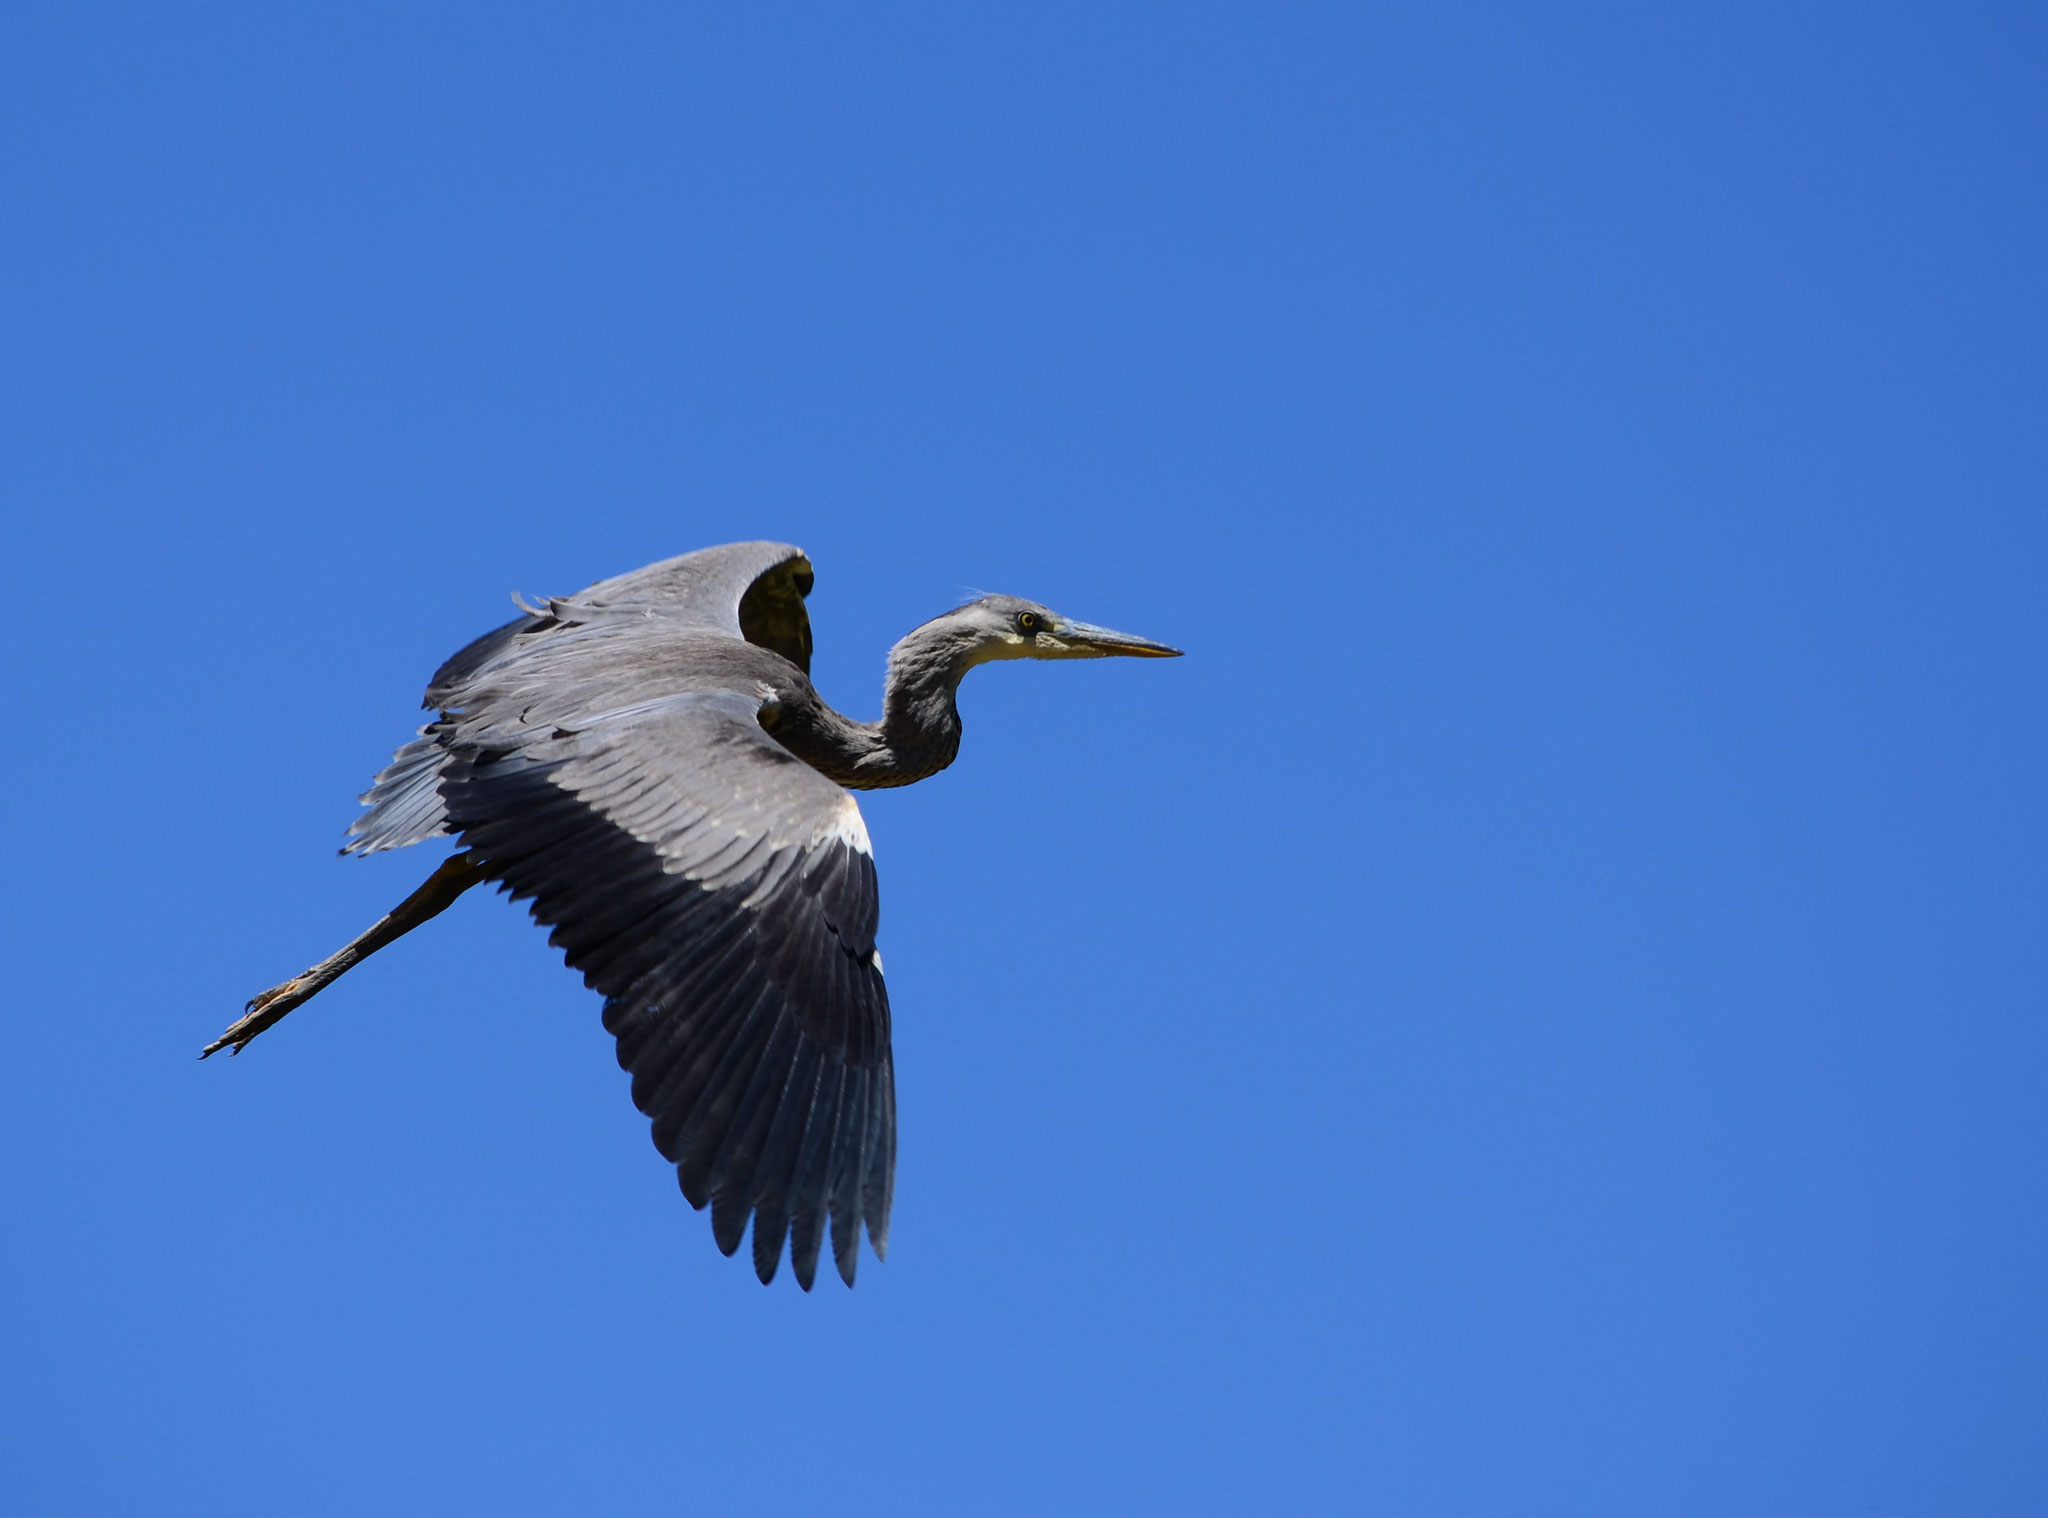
x,y
721,894
749,591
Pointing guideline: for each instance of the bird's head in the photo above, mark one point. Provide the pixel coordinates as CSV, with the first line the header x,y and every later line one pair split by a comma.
x,y
1009,627
920,727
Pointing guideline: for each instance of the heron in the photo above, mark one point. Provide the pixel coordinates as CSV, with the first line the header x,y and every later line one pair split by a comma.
x,y
647,764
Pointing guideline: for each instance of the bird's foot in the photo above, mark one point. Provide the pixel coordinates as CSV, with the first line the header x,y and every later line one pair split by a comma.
x,y
264,1008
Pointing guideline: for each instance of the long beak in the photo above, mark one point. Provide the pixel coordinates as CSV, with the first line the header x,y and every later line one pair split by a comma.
x,y
1103,642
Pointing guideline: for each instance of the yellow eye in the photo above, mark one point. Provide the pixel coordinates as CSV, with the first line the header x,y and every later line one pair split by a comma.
x,y
1029,621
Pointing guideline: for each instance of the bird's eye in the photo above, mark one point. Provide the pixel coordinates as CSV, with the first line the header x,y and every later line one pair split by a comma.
x,y
1029,621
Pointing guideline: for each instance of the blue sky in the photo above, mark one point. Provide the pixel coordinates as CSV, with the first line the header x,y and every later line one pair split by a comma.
x,y
1540,1012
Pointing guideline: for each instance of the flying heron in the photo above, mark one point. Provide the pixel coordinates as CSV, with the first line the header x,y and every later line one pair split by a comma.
x,y
648,764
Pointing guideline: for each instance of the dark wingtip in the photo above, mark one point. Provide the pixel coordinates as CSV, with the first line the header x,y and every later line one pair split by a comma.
x,y
694,1194
728,1224
767,1247
806,1235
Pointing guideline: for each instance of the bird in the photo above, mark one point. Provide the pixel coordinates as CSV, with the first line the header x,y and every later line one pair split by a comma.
x,y
647,764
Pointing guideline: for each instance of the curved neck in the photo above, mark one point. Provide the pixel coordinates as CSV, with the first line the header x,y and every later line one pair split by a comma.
x,y
919,733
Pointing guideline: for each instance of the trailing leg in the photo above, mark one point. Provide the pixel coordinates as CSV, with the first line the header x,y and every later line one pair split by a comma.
x,y
441,888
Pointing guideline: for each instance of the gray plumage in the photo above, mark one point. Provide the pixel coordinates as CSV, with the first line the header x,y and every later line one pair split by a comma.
x,y
647,763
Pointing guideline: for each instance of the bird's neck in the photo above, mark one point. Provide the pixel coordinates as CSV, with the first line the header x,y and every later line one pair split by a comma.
x,y
920,728
919,733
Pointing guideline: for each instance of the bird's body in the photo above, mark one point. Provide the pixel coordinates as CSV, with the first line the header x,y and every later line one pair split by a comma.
x,y
649,764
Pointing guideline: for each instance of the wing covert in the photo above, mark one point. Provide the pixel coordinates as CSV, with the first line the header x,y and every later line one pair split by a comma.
x,y
752,592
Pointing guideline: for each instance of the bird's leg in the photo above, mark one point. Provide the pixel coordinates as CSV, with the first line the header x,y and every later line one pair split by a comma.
x,y
442,887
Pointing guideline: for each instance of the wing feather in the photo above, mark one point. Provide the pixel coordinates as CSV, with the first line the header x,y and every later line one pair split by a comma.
x,y
810,1186
776,1169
